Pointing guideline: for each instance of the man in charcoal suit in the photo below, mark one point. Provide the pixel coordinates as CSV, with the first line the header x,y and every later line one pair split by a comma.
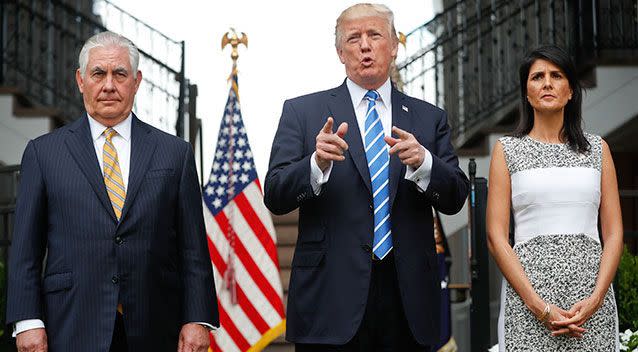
x,y
109,250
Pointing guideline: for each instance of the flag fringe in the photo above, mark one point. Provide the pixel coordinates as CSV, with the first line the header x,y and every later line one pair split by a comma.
x,y
269,336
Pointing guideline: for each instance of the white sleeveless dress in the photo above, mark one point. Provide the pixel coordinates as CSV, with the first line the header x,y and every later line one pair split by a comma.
x,y
555,200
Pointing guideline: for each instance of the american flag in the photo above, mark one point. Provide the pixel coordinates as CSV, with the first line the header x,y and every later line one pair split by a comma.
x,y
241,242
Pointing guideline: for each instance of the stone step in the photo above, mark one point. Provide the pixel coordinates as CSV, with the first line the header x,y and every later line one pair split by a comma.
x,y
21,111
289,219
284,273
277,347
285,253
286,228
286,234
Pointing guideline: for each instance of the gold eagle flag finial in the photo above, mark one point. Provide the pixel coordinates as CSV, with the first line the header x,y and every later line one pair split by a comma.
x,y
234,40
402,39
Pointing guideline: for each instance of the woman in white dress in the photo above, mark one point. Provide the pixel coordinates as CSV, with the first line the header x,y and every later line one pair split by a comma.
x,y
557,180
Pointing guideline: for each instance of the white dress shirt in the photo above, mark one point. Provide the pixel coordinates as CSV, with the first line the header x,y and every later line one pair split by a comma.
x,y
420,176
122,143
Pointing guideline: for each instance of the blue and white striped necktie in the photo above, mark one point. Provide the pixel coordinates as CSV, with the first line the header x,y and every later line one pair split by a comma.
x,y
379,166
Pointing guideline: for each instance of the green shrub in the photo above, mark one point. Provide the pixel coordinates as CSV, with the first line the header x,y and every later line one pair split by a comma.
x,y
627,281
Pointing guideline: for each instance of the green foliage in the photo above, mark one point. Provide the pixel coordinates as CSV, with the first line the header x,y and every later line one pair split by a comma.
x,y
627,280
629,341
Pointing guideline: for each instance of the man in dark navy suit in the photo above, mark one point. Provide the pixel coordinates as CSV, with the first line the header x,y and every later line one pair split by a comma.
x,y
109,251
364,273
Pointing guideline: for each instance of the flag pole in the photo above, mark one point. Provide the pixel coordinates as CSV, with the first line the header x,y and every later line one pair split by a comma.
x,y
230,281
242,239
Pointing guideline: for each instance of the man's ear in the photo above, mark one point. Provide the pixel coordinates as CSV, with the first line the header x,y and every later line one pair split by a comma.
x,y
395,49
340,54
80,80
138,80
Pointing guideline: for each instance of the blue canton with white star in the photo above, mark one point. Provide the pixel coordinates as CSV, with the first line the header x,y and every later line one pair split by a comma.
x,y
233,164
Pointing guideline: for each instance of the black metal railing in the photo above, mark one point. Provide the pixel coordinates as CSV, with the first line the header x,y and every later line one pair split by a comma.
x,y
9,179
161,100
41,41
466,58
616,25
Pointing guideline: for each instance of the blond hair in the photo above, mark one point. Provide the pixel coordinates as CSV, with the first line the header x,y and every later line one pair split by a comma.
x,y
365,10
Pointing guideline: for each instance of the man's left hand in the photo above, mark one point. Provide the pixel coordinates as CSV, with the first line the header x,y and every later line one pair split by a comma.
x,y
193,338
406,147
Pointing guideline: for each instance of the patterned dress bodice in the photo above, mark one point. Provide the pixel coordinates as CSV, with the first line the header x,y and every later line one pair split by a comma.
x,y
552,186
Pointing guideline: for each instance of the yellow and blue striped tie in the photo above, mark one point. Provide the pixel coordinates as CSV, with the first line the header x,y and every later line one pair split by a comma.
x,y
112,174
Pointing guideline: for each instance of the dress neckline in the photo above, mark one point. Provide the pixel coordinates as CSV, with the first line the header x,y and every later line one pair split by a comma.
x,y
544,143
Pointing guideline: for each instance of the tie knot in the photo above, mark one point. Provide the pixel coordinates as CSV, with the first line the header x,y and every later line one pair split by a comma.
x,y
109,133
372,95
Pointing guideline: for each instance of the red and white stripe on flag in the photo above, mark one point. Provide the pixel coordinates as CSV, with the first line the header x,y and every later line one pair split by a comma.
x,y
241,242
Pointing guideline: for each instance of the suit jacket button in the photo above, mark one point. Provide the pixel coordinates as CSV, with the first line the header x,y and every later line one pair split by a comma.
x,y
366,248
115,279
435,196
371,207
119,240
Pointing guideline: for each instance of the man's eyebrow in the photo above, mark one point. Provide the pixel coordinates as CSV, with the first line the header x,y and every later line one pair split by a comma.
x,y
120,70
97,69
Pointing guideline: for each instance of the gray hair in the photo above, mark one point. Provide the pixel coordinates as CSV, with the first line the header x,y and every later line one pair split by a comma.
x,y
107,39
365,10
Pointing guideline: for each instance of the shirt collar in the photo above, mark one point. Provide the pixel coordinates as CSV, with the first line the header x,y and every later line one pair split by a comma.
x,y
357,93
123,128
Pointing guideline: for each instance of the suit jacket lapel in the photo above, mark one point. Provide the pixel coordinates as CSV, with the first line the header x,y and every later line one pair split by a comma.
x,y
142,148
400,119
342,111
81,147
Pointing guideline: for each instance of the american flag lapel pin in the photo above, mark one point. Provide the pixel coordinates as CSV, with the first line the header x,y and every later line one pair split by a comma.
x,y
405,108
